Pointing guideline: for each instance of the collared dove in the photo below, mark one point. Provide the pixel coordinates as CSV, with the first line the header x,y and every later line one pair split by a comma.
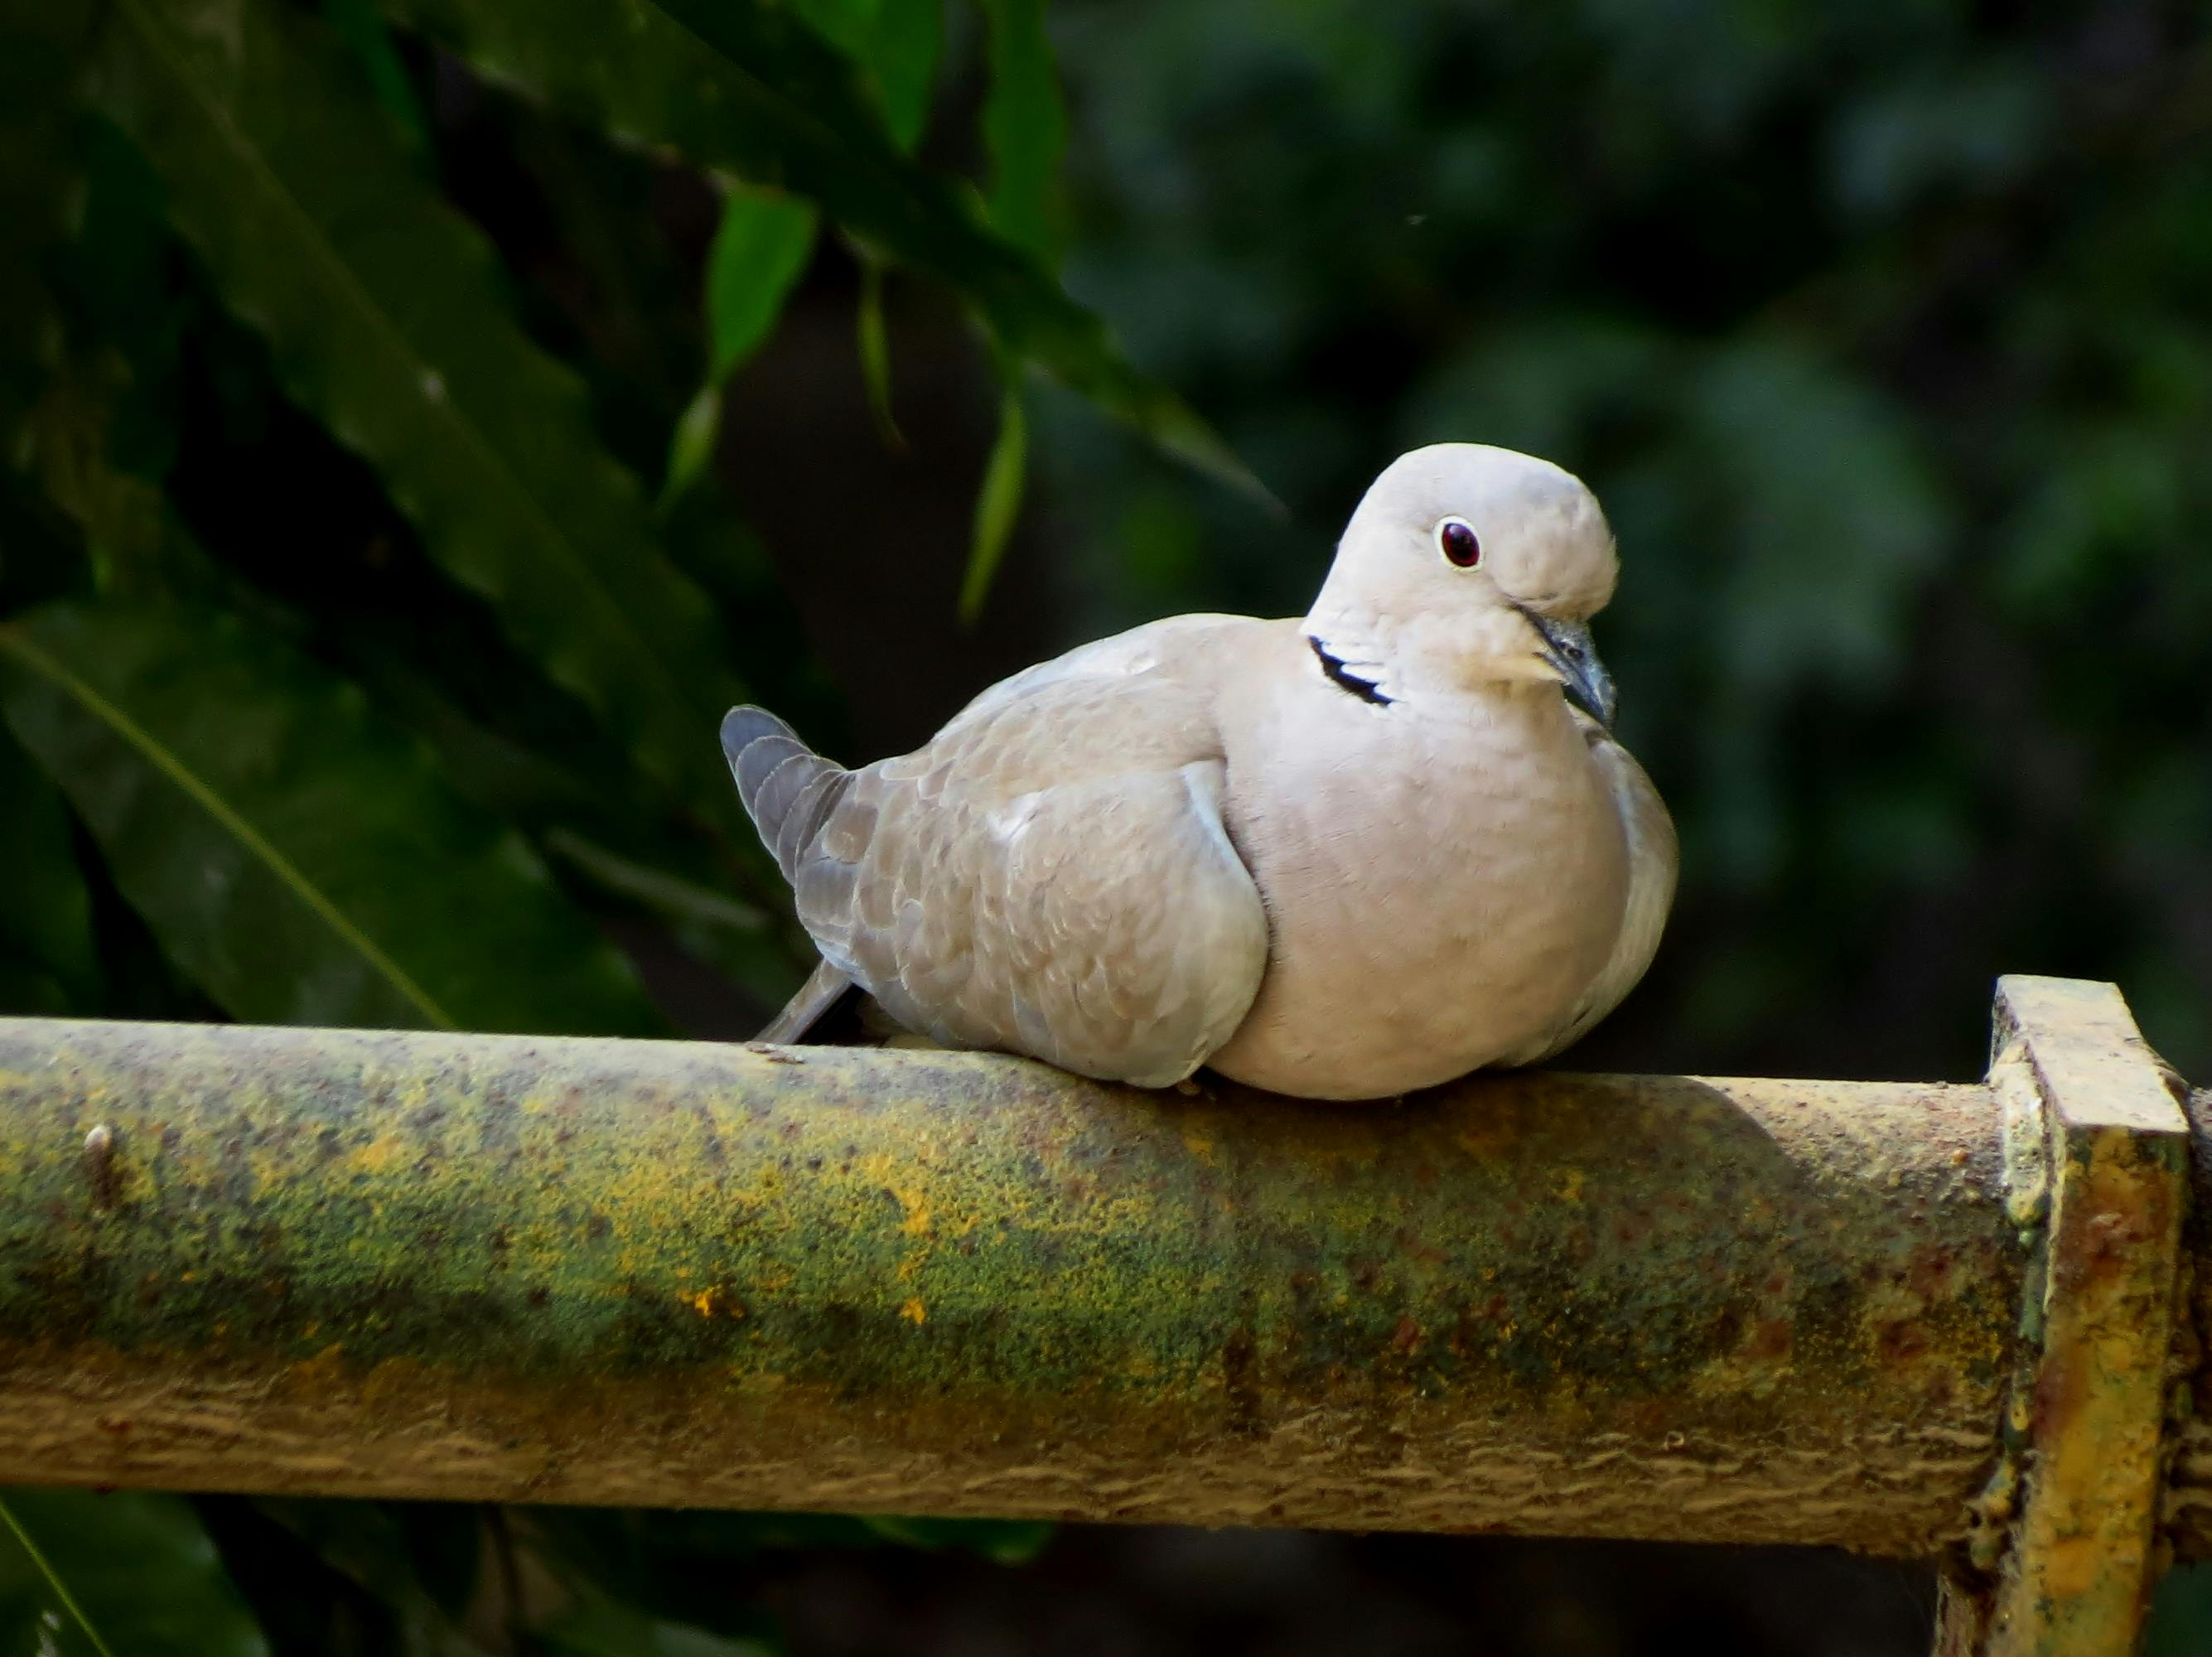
x,y
1344,856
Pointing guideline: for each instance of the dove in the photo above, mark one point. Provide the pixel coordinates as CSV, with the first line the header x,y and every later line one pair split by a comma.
x,y
1342,857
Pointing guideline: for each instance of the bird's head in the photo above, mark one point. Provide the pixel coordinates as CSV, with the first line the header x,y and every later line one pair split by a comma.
x,y
1467,565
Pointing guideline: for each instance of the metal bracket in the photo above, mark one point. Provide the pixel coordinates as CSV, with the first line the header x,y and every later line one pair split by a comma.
x,y
2062,1550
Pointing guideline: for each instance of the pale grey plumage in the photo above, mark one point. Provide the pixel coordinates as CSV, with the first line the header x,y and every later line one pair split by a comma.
x,y
1344,856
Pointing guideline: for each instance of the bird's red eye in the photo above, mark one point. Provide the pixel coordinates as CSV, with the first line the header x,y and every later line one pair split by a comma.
x,y
1459,543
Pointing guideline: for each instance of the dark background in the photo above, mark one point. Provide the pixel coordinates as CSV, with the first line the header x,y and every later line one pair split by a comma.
x,y
1884,333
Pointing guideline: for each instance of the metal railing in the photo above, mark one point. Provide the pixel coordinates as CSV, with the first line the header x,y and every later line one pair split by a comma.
x,y
1934,1320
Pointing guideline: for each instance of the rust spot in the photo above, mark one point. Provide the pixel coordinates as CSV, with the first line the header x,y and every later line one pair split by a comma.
x,y
1407,1336
1901,1339
1770,1340
1929,1273
1239,1364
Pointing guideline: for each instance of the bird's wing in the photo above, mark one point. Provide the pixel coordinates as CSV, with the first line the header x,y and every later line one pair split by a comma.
x,y
1653,855
1050,874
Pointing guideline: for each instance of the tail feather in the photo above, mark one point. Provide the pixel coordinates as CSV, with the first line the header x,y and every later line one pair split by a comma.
x,y
787,789
817,996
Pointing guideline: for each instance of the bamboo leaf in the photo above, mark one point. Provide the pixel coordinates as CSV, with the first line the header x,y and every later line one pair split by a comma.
x,y
997,504
874,342
287,178
691,444
908,37
1024,126
1003,1541
115,1575
746,87
680,900
760,252
297,859
362,29
895,43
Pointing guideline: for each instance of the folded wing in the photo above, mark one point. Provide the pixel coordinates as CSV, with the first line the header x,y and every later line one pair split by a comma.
x,y
1050,874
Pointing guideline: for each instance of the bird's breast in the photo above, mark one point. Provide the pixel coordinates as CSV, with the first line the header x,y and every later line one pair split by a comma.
x,y
1441,882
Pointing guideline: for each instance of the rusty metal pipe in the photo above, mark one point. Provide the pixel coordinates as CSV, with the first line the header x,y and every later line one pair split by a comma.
x,y
519,1269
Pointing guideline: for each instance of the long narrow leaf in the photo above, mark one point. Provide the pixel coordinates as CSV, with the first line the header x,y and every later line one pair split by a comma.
x,y
745,87
895,44
301,863
997,504
872,336
760,251
909,35
1024,126
115,1575
385,318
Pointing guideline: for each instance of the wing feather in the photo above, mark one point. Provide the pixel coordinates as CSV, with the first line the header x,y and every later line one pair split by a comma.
x,y
1051,873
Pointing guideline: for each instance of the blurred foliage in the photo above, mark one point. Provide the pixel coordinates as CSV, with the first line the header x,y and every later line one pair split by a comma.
x,y
369,586
348,671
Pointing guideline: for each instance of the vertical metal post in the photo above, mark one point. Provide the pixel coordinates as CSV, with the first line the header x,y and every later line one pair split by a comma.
x,y
2064,1551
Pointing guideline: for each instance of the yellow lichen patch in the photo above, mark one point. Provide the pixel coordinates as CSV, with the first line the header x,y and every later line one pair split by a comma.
x,y
1570,1188
715,1302
380,1155
916,1216
914,1312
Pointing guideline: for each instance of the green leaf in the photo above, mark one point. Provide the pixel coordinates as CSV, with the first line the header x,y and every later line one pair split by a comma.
x,y
745,87
358,24
295,858
1002,1541
605,1629
288,179
45,914
691,445
759,254
895,44
678,899
874,340
115,1575
909,35
1024,127
997,504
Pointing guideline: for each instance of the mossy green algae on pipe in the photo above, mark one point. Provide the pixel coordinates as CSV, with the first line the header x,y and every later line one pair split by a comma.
x,y
673,1273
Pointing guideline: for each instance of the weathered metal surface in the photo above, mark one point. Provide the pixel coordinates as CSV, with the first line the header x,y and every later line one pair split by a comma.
x,y
2188,1502
684,1274
2064,1554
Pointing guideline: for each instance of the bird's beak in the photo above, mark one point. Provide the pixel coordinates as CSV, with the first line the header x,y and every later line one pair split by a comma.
x,y
1568,649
